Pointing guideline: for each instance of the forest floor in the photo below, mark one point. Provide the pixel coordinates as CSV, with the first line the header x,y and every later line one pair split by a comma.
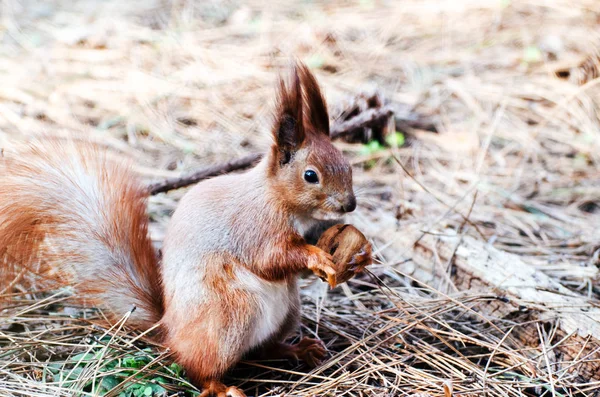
x,y
484,212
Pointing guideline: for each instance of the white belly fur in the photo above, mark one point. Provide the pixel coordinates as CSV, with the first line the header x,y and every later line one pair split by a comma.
x,y
273,304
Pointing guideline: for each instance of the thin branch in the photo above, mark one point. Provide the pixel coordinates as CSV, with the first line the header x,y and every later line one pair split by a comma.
x,y
364,119
204,173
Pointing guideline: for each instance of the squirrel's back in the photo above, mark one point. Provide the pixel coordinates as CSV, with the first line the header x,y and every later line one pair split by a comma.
x,y
69,214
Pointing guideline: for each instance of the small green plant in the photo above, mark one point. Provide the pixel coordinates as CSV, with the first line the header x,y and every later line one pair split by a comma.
x,y
315,61
371,147
103,369
394,140
532,54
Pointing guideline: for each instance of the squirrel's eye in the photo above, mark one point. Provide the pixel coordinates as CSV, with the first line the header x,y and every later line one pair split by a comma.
x,y
310,176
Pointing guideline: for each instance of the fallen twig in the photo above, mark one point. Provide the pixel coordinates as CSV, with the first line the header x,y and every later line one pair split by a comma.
x,y
364,119
204,173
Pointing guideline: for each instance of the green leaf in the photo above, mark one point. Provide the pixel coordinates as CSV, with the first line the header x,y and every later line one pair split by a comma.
x,y
72,374
315,61
159,379
110,365
371,147
139,392
83,357
109,382
189,148
176,368
375,146
136,361
370,164
395,140
148,391
532,54
129,362
54,368
158,389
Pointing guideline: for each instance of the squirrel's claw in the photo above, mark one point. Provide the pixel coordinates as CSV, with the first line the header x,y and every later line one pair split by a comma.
x,y
327,274
361,259
332,278
357,263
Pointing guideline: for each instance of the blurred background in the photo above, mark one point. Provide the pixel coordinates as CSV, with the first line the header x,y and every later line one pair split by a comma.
x,y
494,136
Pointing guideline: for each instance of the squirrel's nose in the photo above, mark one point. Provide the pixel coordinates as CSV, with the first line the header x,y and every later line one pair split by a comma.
x,y
349,204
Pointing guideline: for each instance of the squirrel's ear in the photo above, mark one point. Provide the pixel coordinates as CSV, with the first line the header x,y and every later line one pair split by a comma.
x,y
315,107
288,130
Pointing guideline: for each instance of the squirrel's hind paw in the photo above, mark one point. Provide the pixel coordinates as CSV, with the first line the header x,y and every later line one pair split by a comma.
x,y
311,351
215,388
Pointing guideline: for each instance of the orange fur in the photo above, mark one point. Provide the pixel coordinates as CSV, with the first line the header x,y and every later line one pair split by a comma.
x,y
67,215
199,336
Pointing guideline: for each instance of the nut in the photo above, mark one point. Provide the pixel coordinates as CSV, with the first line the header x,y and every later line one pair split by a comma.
x,y
350,251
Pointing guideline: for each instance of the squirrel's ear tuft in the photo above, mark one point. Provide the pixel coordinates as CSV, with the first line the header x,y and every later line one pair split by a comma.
x,y
315,107
288,129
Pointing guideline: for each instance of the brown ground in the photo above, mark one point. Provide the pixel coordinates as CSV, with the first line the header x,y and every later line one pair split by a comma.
x,y
180,85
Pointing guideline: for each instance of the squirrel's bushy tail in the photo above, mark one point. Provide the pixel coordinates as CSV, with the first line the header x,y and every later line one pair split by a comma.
x,y
67,213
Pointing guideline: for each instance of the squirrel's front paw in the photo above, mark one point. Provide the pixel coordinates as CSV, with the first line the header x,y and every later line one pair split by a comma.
x,y
321,264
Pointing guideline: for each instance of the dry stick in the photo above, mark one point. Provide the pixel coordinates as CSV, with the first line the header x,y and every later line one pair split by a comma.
x,y
205,173
367,118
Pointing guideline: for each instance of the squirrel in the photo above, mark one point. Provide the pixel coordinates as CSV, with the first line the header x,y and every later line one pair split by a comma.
x,y
226,284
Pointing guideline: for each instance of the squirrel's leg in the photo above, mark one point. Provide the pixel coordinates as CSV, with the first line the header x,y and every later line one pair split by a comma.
x,y
311,351
203,348
207,324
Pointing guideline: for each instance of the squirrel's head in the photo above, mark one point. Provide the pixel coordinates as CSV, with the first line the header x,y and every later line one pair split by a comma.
x,y
306,171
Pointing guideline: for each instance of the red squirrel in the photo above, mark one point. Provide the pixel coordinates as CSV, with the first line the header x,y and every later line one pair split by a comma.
x,y
226,285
